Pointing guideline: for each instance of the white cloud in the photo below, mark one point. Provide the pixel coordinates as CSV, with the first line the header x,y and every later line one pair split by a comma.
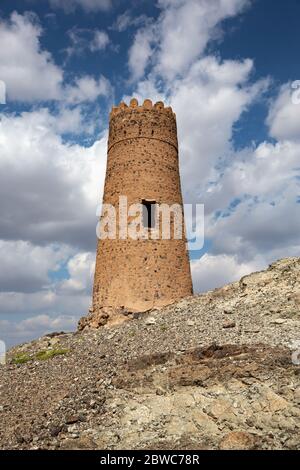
x,y
186,27
126,20
25,267
213,271
52,301
14,332
28,71
45,321
87,5
284,116
43,304
87,88
81,269
100,41
266,172
208,102
265,183
122,22
179,36
141,51
84,39
67,118
70,120
267,219
49,189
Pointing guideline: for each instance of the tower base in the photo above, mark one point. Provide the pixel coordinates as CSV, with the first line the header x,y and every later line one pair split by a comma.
x,y
110,316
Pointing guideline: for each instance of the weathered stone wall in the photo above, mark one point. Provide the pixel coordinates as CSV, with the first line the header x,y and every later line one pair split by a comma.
x,y
142,165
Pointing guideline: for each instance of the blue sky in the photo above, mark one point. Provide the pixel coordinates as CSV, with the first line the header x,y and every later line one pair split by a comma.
x,y
225,66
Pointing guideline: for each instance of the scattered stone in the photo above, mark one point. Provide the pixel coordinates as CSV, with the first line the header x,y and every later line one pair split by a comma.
x,y
71,419
229,324
55,429
228,311
82,443
54,341
237,441
54,334
72,429
150,321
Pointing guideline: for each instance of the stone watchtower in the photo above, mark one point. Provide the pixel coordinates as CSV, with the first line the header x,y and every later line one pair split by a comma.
x,y
137,275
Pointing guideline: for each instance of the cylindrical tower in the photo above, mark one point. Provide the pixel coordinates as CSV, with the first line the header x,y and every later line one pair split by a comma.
x,y
137,275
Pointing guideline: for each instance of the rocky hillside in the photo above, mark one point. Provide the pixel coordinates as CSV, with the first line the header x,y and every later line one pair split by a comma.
x,y
215,371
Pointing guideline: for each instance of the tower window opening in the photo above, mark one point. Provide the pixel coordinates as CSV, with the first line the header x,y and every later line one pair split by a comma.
x,y
149,214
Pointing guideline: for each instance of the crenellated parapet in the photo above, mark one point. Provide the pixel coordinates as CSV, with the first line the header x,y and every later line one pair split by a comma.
x,y
134,106
147,121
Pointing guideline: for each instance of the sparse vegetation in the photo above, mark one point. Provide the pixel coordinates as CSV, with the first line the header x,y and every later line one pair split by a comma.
x,y
42,355
21,358
49,353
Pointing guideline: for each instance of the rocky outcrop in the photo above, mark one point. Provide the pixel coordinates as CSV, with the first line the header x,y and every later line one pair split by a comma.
x,y
215,371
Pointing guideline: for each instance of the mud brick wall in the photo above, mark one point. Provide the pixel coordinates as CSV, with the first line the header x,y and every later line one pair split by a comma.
x,y
142,165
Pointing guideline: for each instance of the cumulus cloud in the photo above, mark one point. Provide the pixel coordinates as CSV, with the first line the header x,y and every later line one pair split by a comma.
x,y
141,51
265,216
49,189
50,301
68,120
253,204
46,322
179,36
186,27
42,304
208,101
28,71
284,115
81,270
87,88
13,332
213,271
25,267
